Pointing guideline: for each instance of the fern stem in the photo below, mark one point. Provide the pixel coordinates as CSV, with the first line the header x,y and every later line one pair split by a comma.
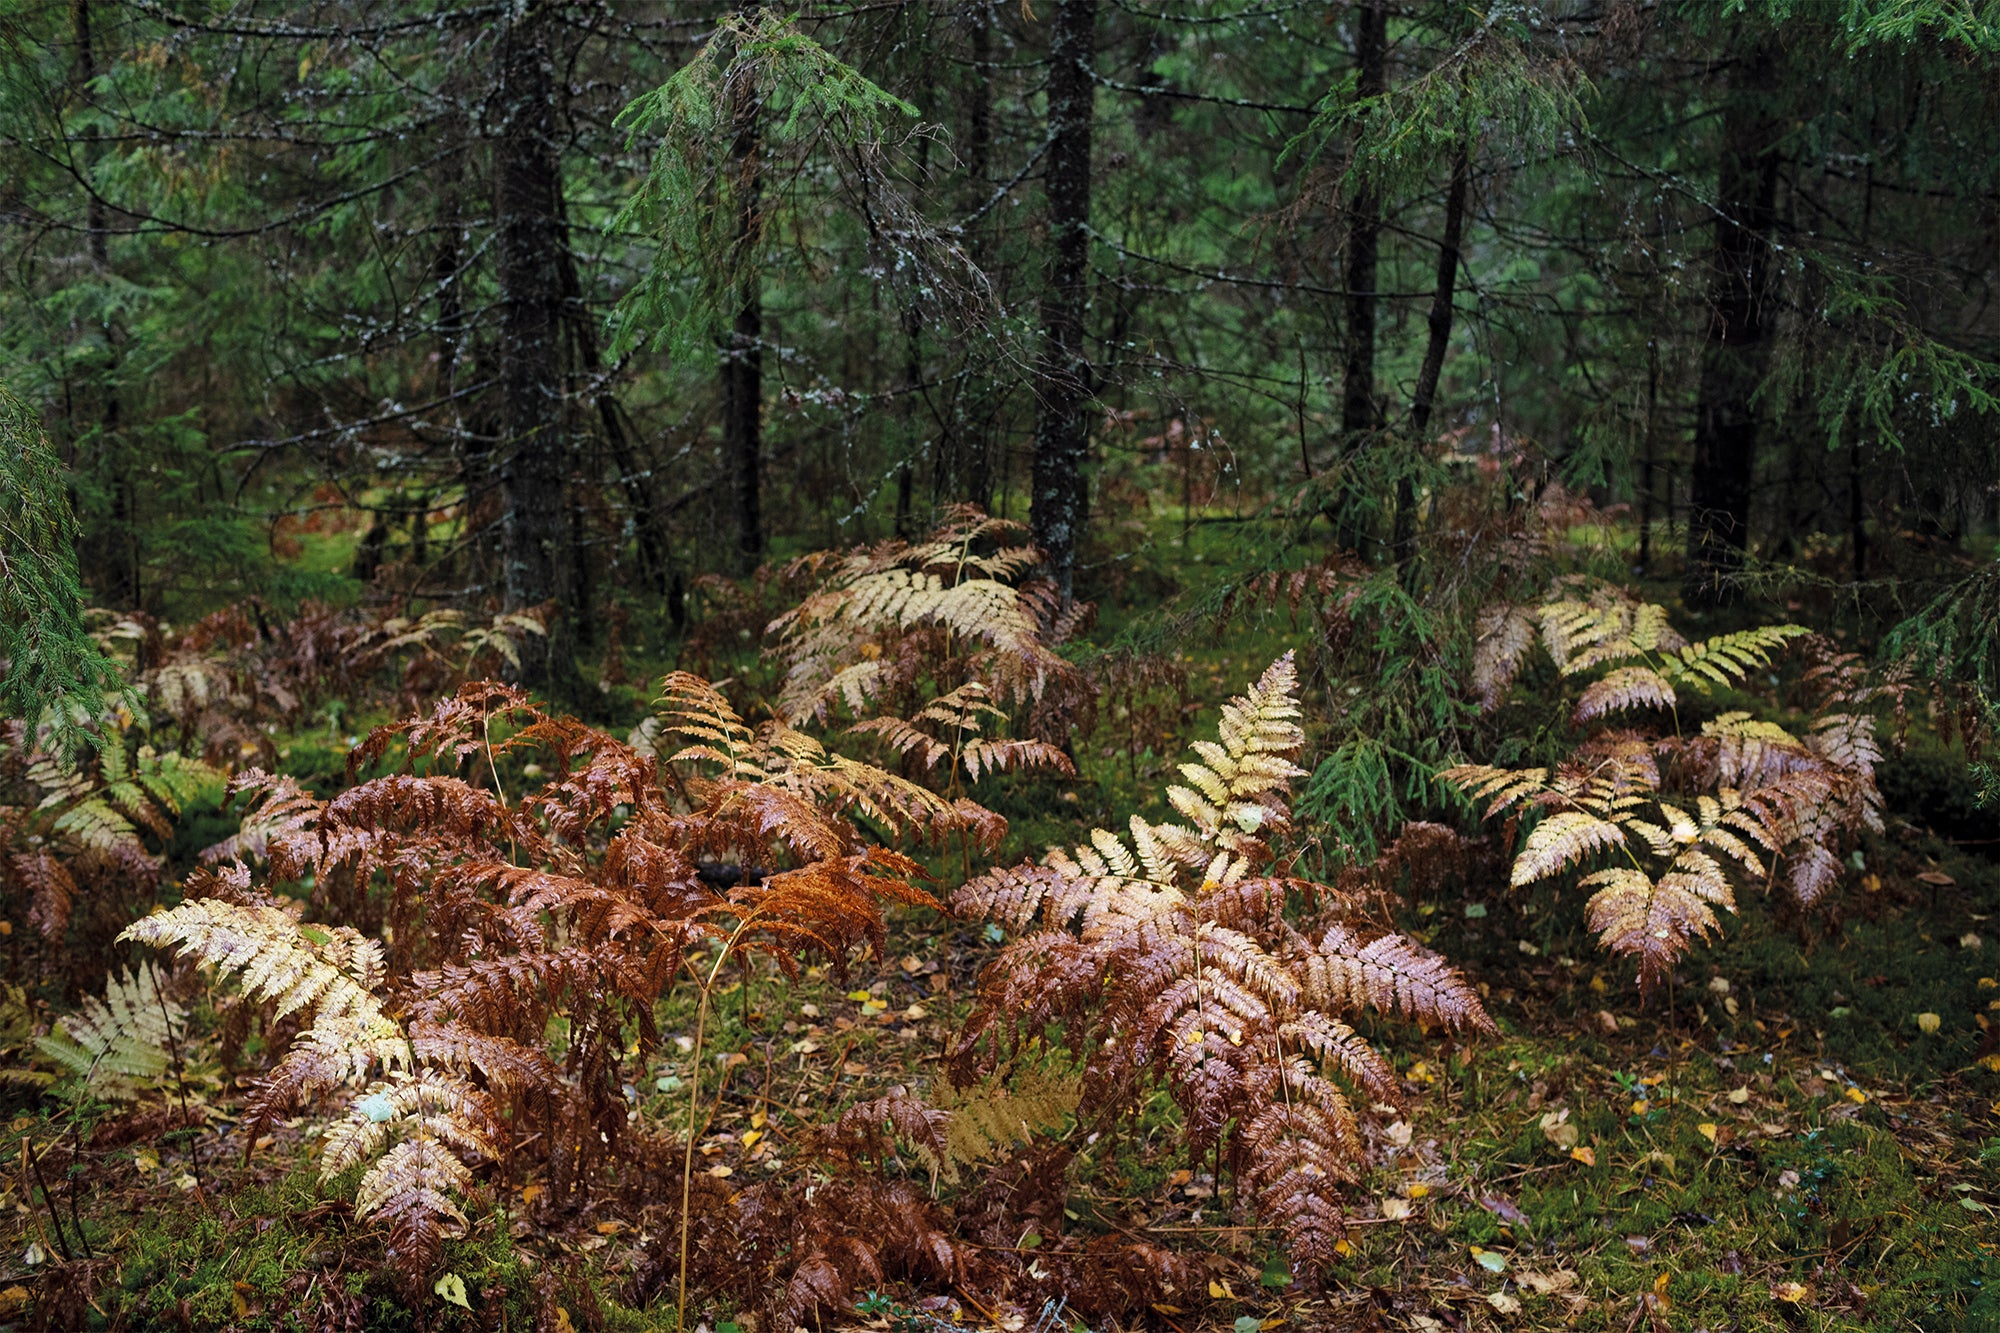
x,y
687,1155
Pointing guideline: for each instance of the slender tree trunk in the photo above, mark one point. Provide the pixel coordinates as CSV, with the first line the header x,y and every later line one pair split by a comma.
x,y
1646,463
1359,411
648,530
1736,352
742,351
973,447
535,456
1060,496
1358,408
1449,246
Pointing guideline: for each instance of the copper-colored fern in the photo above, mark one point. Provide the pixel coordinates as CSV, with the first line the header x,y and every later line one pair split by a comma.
x,y
1164,956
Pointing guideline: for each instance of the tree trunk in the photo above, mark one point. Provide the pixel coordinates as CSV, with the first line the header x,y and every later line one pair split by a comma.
x,y
1358,408
535,453
742,351
1359,412
1405,543
1736,352
972,449
1060,497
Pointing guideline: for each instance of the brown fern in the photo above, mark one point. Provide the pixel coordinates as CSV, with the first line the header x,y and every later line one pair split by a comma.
x,y
1164,959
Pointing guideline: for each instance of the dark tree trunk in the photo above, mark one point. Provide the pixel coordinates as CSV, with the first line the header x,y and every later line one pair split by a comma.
x,y
1060,497
535,453
742,350
972,447
649,531
1425,397
1358,408
1736,351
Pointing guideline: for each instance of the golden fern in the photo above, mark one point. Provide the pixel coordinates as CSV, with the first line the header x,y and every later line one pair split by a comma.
x,y
417,1122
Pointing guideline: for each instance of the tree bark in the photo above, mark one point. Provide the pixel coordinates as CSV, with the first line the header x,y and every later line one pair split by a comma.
x,y
972,447
1058,508
535,452
742,350
1404,544
1736,351
1359,412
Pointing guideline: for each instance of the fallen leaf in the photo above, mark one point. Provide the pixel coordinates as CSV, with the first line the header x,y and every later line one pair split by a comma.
x,y
1708,1130
1557,1129
1395,1209
1968,940
1937,877
1218,1290
1489,1260
1398,1133
1504,1209
1929,1022
1546,1284
1739,1095
1417,1190
1856,1095
1586,1155
452,1287
721,1172
1502,1303
1790,1292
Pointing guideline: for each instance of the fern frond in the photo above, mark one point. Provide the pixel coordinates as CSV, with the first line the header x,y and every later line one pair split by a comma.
x,y
1506,786
1390,975
1623,688
1656,920
1504,635
1561,841
119,1047
1727,658
1006,1108
313,970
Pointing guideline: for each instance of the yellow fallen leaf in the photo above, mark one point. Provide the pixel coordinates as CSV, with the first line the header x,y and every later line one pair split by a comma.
x,y
1343,1248
759,1119
721,1172
1418,1190
609,1228
1220,1291
530,1193
13,1300
1929,1022
1991,1062
1790,1292
859,996
1708,1130
1988,983
1857,1096
1641,1106
1586,1155
750,1137
1739,1095
146,1160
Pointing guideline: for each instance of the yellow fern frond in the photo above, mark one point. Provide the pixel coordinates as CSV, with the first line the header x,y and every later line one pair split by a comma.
x,y
1727,658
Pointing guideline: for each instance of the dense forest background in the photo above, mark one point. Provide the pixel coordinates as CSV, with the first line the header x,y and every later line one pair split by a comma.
x,y
601,600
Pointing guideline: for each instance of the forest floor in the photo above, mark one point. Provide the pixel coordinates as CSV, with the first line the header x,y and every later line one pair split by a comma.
x,y
1805,1134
